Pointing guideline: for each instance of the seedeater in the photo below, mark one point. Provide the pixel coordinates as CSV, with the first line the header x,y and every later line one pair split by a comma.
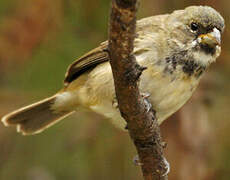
x,y
176,48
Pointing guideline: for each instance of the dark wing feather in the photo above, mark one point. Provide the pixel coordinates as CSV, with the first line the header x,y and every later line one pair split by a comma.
x,y
100,54
86,62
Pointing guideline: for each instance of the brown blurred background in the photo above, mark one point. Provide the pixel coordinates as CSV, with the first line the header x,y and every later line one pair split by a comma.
x,y
39,39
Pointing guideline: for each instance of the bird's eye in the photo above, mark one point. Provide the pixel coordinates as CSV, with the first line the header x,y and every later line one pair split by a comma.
x,y
194,26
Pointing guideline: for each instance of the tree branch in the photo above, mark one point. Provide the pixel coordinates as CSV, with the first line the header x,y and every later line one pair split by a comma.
x,y
141,122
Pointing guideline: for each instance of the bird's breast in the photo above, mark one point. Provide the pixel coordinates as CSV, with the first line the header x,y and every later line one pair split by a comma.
x,y
169,90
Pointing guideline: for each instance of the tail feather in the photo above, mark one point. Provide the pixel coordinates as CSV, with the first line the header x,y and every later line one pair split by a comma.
x,y
35,118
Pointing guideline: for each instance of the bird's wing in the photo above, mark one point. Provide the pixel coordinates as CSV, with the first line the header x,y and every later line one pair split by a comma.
x,y
100,54
86,62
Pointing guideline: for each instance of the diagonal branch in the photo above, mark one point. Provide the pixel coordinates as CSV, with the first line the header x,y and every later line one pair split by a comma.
x,y
141,122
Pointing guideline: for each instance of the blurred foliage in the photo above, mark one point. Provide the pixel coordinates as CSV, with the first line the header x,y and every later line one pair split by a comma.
x,y
39,39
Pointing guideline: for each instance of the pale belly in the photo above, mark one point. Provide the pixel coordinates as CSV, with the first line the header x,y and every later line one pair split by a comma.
x,y
167,95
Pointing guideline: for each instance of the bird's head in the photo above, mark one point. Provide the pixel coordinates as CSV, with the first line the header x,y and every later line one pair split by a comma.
x,y
198,29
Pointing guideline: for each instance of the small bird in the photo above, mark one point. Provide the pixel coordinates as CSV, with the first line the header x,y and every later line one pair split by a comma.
x,y
176,48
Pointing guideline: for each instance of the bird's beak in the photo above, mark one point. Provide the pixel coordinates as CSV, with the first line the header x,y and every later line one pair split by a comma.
x,y
211,39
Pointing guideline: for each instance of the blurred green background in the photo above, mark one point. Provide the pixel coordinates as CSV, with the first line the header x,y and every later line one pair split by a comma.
x,y
39,39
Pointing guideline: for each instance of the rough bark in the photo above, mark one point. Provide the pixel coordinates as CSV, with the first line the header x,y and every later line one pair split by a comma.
x,y
134,107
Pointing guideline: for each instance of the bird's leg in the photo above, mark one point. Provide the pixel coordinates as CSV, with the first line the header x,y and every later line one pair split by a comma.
x,y
148,105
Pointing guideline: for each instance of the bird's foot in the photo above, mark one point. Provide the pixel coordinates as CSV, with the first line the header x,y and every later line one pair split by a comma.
x,y
137,161
115,103
148,105
166,168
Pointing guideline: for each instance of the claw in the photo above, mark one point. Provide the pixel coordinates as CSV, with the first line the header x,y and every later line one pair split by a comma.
x,y
136,161
148,105
164,144
115,103
145,95
167,167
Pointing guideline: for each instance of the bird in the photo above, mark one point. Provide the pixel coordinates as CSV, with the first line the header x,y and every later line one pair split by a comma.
x,y
176,49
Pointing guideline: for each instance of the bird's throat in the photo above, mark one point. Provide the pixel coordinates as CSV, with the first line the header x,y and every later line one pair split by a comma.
x,y
189,64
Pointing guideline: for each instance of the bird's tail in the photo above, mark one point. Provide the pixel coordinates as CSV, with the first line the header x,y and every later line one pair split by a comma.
x,y
35,118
